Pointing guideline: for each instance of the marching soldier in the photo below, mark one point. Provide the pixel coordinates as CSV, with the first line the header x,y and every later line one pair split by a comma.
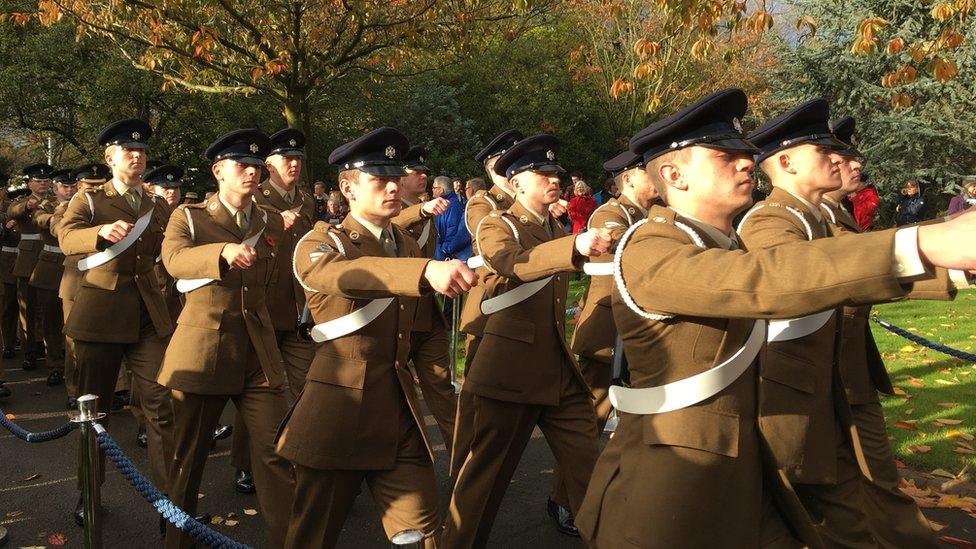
x,y
684,301
48,271
281,194
892,516
358,418
165,181
222,252
523,374
594,340
8,292
38,178
118,312
429,346
803,409
499,197
86,176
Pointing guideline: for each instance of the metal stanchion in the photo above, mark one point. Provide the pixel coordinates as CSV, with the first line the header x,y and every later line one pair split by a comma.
x,y
407,539
455,318
90,489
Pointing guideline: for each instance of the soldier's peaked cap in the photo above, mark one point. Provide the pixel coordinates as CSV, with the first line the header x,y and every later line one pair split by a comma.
x,y
622,162
536,153
38,171
713,121
287,142
501,143
805,123
167,176
844,129
247,146
379,152
416,159
130,133
93,171
63,177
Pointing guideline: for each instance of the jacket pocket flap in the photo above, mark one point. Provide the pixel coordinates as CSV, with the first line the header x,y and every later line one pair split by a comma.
x,y
190,316
336,370
100,278
512,328
699,428
788,370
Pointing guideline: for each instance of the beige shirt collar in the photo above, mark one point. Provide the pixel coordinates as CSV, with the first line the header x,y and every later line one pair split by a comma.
x,y
834,203
233,210
814,211
284,194
122,188
374,229
729,242
538,218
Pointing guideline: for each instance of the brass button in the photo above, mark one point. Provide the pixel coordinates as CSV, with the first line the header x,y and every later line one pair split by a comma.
x,y
136,277
245,288
396,363
400,335
402,307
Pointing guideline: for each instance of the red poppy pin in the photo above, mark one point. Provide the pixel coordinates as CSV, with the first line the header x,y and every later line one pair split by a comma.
x,y
270,240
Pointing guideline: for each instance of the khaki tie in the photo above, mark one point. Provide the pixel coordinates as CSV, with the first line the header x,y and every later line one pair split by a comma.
x,y
387,242
133,198
289,198
241,219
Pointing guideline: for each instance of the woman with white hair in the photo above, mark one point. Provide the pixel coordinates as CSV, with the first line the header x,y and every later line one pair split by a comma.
x,y
581,206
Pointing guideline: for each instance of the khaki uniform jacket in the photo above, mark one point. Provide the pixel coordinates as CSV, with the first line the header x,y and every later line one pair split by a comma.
x,y
595,334
71,276
29,248
358,384
523,352
286,299
112,297
862,370
50,263
9,239
478,207
713,446
226,320
167,284
413,220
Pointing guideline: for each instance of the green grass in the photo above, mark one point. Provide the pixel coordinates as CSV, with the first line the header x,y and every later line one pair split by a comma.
x,y
928,378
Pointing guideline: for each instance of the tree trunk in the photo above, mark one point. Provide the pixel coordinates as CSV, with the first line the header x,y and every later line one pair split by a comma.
x,y
296,111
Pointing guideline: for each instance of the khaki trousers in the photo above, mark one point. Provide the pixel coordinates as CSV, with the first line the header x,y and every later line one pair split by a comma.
x,y
27,314
98,372
406,495
430,354
262,408
892,516
70,360
51,319
501,431
297,354
9,315
464,416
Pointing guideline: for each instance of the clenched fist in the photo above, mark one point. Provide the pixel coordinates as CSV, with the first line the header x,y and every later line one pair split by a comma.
x,y
288,217
594,242
115,231
239,256
436,206
950,244
451,278
558,208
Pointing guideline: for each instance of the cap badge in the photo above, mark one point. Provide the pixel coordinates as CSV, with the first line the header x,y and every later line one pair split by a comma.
x,y
169,176
550,155
421,160
136,135
254,148
390,152
292,142
737,124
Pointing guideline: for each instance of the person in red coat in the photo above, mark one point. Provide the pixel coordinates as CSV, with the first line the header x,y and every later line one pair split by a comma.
x,y
865,202
581,206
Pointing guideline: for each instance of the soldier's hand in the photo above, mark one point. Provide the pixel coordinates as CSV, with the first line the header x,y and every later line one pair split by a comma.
x,y
239,256
593,242
289,217
32,203
113,232
949,244
10,224
436,206
558,208
450,278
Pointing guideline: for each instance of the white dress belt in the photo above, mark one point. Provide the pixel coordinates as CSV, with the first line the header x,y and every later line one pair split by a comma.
x,y
513,296
795,328
185,285
52,249
347,324
10,249
30,236
113,251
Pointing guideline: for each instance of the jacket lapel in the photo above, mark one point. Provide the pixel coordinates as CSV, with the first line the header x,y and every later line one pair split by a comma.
x,y
272,197
787,199
363,239
117,201
222,216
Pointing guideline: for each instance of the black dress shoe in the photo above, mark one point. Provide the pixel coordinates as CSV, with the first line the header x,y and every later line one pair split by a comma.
x,y
563,519
120,400
30,362
3,536
4,391
56,377
222,432
244,482
142,439
40,352
79,513
8,352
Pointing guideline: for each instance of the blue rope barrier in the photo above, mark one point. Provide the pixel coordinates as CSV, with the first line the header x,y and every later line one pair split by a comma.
x,y
962,355
173,514
28,436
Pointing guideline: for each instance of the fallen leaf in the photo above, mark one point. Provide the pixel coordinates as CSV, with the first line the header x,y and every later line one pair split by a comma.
x,y
250,512
14,514
216,519
957,542
11,416
57,538
201,496
899,464
35,476
945,382
946,421
964,450
908,348
909,411
231,523
232,515
919,449
943,473
947,404
951,501
936,526
956,433
908,425
915,382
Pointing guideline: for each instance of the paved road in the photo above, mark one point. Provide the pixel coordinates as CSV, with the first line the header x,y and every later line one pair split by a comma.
x,y
37,487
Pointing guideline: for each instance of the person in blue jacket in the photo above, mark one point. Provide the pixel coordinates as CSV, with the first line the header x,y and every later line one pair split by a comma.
x,y
453,239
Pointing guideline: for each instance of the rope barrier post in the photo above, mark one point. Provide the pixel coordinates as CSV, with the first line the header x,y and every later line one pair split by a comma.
x,y
407,539
455,318
90,489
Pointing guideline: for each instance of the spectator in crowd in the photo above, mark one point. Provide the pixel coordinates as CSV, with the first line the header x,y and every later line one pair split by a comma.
x,y
609,191
566,195
965,199
911,204
321,200
458,186
333,212
581,206
453,240
864,203
472,186
191,198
